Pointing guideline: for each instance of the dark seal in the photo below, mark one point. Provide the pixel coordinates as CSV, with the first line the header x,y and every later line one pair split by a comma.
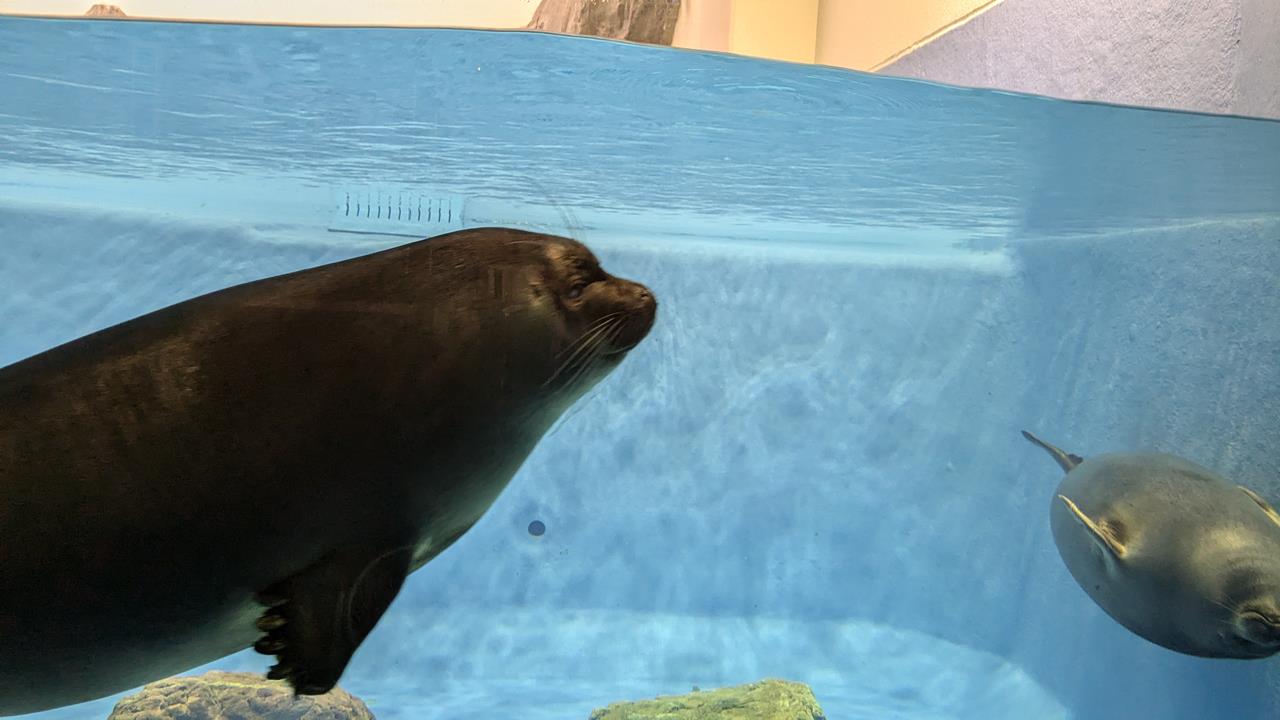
x,y
263,465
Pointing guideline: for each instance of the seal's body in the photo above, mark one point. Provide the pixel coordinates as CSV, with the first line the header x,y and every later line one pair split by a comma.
x,y
1171,551
299,444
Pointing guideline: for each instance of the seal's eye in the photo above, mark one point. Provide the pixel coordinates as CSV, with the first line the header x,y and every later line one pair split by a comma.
x,y
1259,629
582,273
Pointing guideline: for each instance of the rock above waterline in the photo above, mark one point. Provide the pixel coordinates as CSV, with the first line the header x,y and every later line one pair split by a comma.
x,y
644,21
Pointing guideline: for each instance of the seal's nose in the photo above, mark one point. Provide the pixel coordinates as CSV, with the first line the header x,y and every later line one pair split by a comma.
x,y
641,310
648,303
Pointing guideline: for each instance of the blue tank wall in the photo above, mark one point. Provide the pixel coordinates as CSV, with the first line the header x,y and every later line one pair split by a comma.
x,y
1161,339
812,468
799,445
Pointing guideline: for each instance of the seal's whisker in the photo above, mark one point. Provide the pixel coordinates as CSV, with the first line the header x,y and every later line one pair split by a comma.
x,y
1224,606
579,344
599,323
581,372
577,407
1233,608
591,349
592,359
585,343
591,353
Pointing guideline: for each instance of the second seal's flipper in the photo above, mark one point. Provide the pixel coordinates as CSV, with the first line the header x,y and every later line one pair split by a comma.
x,y
316,619
1103,535
1066,460
1262,503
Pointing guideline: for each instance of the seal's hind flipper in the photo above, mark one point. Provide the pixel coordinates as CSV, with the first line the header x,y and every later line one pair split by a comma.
x,y
316,619
1266,506
1066,460
1102,534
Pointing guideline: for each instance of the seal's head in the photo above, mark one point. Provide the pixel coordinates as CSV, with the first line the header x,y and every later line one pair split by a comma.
x,y
1242,590
1258,626
1250,597
562,323
604,316
1248,587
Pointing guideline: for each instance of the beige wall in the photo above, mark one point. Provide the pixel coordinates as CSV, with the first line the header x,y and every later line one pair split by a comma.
x,y
858,34
704,25
867,34
470,13
777,30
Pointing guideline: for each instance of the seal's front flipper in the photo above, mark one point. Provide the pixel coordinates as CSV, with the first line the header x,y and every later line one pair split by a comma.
x,y
1102,534
1067,461
1266,506
316,619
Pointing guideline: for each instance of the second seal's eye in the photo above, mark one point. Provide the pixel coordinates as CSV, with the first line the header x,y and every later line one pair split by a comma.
x,y
575,292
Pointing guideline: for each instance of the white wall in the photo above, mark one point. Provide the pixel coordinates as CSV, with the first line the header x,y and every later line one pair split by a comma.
x,y
1220,56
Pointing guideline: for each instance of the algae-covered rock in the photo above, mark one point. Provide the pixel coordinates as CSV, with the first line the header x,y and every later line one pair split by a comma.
x,y
235,696
764,700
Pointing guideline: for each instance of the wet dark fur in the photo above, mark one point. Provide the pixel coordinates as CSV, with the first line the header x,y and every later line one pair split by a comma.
x,y
290,440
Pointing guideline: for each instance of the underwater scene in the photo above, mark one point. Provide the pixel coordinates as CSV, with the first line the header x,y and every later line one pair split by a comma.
x,y
774,434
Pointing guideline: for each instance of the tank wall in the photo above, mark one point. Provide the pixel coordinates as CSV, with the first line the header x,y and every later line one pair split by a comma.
x,y
68,270
787,452
812,468
1203,55
1159,339
821,457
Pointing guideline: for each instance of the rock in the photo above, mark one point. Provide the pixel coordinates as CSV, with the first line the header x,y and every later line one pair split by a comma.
x,y
101,10
242,696
645,21
764,700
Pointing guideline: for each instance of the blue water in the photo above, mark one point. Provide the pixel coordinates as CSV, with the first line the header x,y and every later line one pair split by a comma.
x,y
812,468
